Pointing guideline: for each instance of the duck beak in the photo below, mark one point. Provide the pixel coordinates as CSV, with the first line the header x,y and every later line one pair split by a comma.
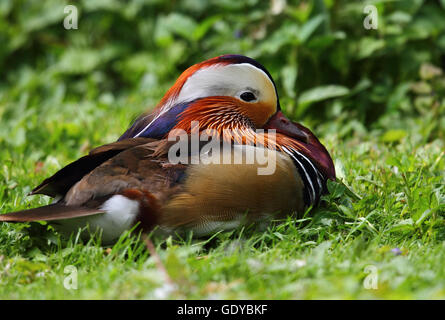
x,y
283,125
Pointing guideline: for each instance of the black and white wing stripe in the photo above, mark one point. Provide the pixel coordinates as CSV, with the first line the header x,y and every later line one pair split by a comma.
x,y
313,180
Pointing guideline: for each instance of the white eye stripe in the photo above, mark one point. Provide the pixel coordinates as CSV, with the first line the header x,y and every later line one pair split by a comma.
x,y
226,80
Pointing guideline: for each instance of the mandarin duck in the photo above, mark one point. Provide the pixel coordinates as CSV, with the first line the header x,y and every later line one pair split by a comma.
x,y
132,181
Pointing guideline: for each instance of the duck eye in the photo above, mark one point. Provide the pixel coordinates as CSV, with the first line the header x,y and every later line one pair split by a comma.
x,y
247,96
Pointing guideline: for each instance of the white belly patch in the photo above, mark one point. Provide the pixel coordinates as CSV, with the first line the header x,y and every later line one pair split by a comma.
x,y
121,214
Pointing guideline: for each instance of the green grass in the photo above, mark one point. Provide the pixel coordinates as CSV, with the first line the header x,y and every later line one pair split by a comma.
x,y
386,211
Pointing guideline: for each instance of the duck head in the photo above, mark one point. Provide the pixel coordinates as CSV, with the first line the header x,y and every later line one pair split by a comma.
x,y
230,92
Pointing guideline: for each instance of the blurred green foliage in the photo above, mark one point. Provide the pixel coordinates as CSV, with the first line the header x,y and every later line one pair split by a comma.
x,y
325,63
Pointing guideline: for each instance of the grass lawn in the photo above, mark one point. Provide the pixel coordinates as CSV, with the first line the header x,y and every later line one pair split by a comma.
x,y
379,234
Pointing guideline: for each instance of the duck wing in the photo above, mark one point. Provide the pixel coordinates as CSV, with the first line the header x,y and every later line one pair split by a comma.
x,y
59,183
